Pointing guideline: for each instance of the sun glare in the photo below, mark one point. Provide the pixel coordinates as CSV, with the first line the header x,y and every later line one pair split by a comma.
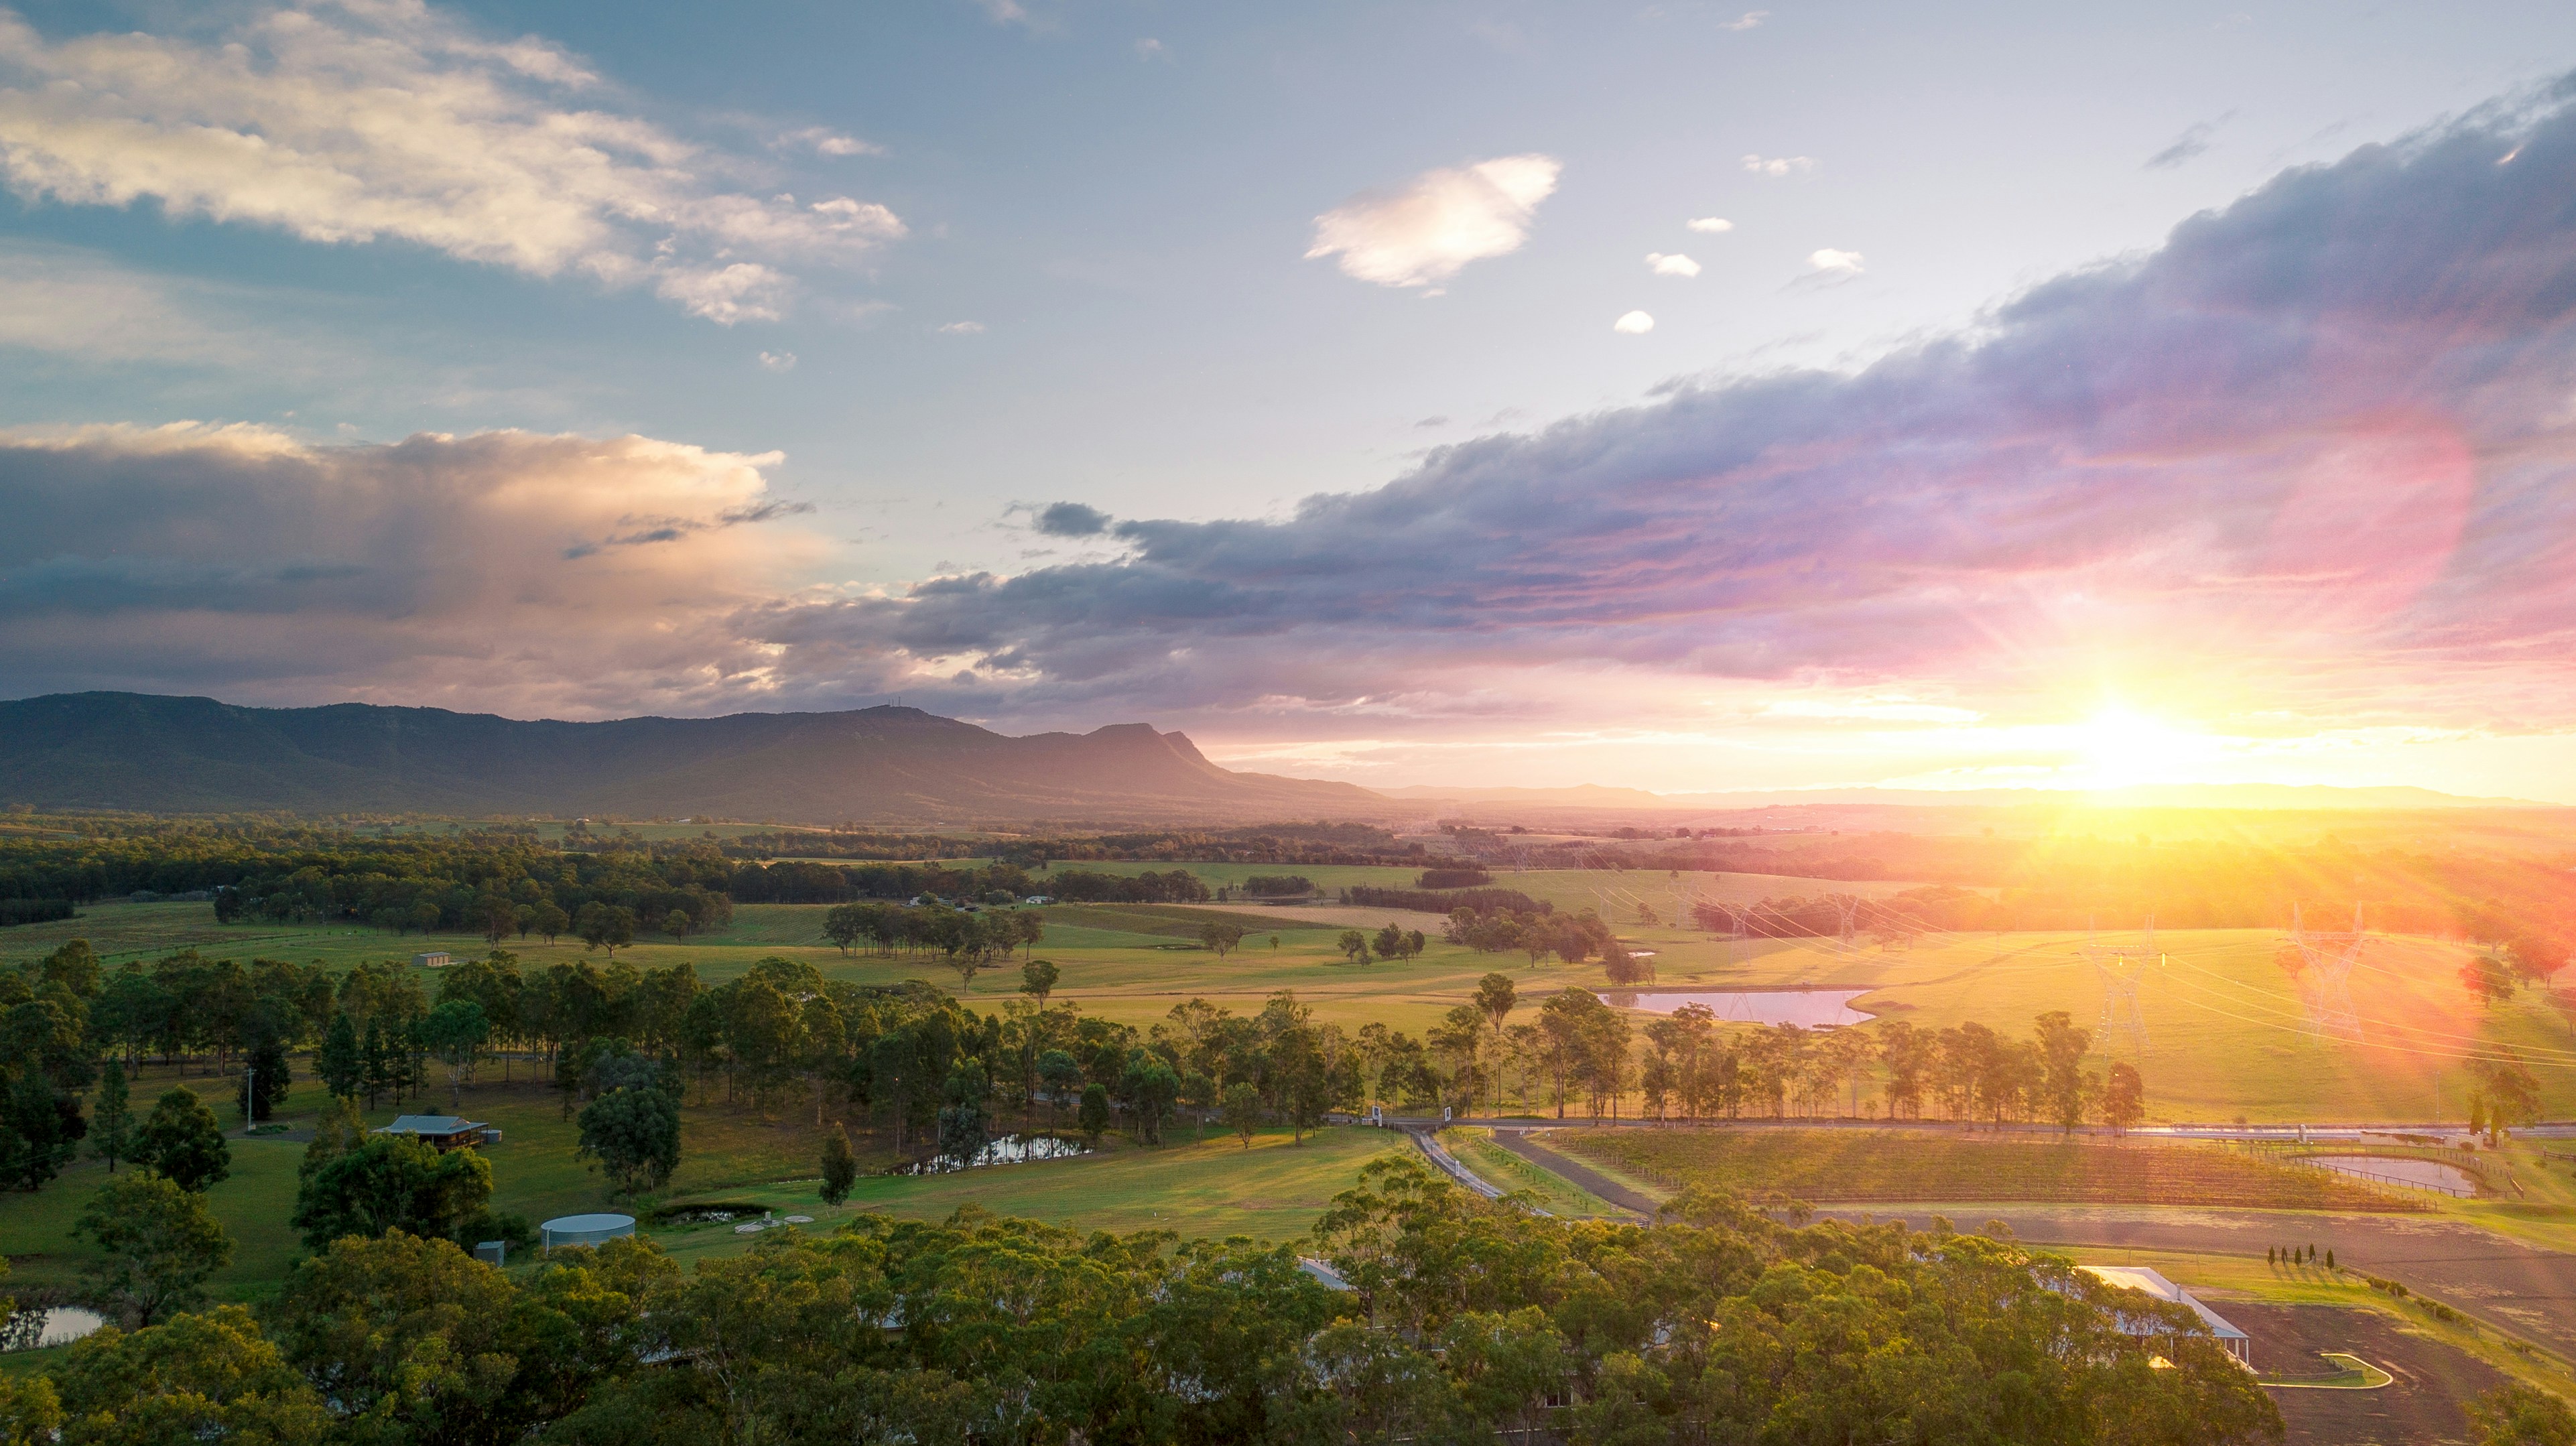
x,y
2121,746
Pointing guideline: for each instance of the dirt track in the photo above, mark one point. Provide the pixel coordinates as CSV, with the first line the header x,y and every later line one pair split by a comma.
x,y
2424,1404
2514,1287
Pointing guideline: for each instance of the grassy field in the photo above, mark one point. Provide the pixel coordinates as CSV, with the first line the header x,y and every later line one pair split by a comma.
x,y
1841,1167
1475,1148
2227,1033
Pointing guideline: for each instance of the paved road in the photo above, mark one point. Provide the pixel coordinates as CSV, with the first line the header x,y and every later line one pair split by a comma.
x,y
2514,1287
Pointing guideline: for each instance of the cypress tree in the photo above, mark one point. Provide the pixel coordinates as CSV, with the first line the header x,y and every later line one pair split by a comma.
x,y
340,1063
111,1123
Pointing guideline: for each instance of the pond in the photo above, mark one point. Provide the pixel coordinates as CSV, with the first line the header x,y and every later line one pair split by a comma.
x,y
55,1326
1806,1008
2401,1170
1008,1150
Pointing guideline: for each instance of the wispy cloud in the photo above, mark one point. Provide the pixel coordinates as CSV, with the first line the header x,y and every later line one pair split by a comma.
x,y
1840,263
824,141
358,123
1778,165
1424,233
2190,145
778,361
1711,225
1749,20
962,328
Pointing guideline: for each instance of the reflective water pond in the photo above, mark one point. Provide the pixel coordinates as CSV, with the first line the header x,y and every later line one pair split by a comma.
x,y
1008,1150
56,1326
1806,1008
2401,1170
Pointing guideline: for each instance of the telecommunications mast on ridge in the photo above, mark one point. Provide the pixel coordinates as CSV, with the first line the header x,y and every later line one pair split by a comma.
x,y
2120,970
2325,978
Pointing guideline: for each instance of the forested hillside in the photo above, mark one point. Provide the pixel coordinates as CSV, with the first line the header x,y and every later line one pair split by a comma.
x,y
196,755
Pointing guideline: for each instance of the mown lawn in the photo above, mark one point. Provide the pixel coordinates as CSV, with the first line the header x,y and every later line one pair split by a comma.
x,y
1844,1167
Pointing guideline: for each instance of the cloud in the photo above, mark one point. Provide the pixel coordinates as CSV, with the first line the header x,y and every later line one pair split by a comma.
x,y
1778,165
1749,20
962,328
2193,142
823,141
543,574
1431,422
1713,225
1675,265
1151,49
1845,263
1442,220
2314,456
1635,323
375,121
2311,459
778,361
1072,519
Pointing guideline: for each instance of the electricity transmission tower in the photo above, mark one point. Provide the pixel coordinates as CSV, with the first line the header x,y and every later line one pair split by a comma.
x,y
2120,970
2325,975
1847,908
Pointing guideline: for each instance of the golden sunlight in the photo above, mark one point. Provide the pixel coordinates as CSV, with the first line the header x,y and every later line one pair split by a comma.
x,y
2121,747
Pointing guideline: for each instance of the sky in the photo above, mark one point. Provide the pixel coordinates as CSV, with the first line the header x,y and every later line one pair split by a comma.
x,y
1665,395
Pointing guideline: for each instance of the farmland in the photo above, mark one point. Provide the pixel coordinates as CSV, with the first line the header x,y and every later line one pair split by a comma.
x,y
1870,1166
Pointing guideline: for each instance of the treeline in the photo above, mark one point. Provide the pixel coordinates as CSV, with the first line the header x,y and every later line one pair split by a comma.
x,y
1443,901
2058,882
496,884
33,911
1000,883
1462,1321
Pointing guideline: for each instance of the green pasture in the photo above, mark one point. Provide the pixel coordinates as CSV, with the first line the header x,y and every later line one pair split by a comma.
x,y
1211,1187
2227,1033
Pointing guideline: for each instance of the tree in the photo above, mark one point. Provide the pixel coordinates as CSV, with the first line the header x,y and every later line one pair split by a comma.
x,y
1038,977
1389,943
340,1063
1621,967
634,1134
676,924
40,1130
1151,1086
963,1126
454,1031
1093,1118
1496,997
840,1167
181,1142
339,1130
2124,1097
2488,978
550,920
846,925
111,1126
604,926
1059,1072
1220,937
265,1078
1243,1111
2514,1414
2508,1090
1355,946
158,1244
2062,1046
391,1183
378,1074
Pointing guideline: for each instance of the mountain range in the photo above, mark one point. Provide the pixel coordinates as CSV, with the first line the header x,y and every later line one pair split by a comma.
x,y
158,754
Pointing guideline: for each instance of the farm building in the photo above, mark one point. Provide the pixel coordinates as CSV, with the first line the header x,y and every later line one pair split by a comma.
x,y
2153,1282
445,1132
431,959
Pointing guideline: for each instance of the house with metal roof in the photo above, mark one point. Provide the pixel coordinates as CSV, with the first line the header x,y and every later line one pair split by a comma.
x,y
2153,1282
443,1132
